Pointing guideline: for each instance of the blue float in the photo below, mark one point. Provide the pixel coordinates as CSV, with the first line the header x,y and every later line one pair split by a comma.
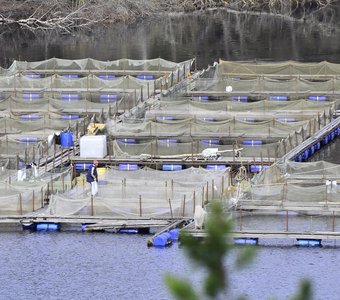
x,y
145,77
30,96
318,98
28,139
30,117
317,146
285,120
34,76
309,242
107,77
174,233
82,167
48,226
311,150
240,98
298,158
305,155
128,167
162,118
172,167
278,98
70,97
216,167
246,241
108,96
162,240
252,142
257,168
127,140
66,139
201,98
71,75
168,141
325,140
70,117
211,142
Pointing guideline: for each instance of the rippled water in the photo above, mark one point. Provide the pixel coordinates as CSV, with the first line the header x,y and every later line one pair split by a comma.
x,y
75,265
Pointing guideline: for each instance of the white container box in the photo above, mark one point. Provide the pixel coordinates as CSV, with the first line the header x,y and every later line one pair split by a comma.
x,y
93,146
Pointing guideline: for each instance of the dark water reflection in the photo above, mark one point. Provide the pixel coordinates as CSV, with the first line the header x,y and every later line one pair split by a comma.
x,y
105,266
209,36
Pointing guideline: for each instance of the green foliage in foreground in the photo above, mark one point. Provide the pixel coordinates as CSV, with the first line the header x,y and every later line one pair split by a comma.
x,y
209,253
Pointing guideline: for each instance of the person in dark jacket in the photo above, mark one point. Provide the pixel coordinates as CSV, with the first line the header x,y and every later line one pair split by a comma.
x,y
92,177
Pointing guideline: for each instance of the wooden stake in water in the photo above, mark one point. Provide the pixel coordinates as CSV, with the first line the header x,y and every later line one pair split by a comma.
x,y
33,208
20,203
193,202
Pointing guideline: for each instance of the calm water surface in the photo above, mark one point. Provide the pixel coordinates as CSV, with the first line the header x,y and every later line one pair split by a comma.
x,y
73,265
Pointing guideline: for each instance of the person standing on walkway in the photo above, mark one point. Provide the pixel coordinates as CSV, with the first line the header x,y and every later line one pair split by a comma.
x,y
92,177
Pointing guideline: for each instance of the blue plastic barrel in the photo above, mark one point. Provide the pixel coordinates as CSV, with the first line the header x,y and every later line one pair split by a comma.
x,y
317,146
298,158
309,242
48,227
174,234
172,167
66,139
325,140
30,117
285,120
240,98
278,98
82,167
164,118
70,97
107,77
332,135
34,76
252,142
28,139
145,77
257,168
211,142
30,96
311,150
70,117
305,155
168,141
201,98
108,96
216,167
317,98
128,140
162,240
71,75
246,241
128,167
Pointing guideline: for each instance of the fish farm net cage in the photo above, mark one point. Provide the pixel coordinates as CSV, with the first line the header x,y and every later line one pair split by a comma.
x,y
142,193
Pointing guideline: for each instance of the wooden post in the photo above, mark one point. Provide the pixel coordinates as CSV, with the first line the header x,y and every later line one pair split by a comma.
x,y
333,223
172,188
287,220
241,225
140,205
20,203
92,209
33,208
207,192
212,189
148,85
170,208
193,202
183,213
63,182
222,185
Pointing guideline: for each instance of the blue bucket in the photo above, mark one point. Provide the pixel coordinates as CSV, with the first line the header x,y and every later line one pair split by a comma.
x,y
66,139
174,234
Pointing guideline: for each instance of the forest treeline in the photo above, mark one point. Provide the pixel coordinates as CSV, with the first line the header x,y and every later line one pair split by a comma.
x,y
71,14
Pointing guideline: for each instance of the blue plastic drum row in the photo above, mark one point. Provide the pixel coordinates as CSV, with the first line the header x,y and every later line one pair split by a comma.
x,y
302,157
